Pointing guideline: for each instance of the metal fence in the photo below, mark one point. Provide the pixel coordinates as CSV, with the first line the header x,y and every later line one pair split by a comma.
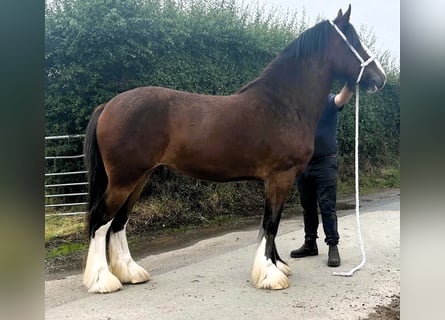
x,y
65,189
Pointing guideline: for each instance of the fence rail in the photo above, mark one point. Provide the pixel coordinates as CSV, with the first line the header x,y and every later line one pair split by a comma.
x,y
57,192
65,157
66,184
65,137
64,173
66,195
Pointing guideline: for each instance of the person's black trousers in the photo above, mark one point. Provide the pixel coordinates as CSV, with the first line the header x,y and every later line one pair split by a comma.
x,y
317,184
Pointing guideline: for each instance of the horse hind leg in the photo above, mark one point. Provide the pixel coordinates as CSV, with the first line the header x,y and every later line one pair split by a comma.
x,y
122,264
97,276
269,270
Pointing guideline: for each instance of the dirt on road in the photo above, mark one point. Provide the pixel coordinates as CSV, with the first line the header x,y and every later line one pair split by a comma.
x,y
386,312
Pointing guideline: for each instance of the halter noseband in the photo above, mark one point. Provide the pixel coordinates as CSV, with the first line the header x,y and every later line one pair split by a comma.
x,y
363,63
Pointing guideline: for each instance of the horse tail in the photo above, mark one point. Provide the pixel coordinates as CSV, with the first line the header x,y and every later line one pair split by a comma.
x,y
97,177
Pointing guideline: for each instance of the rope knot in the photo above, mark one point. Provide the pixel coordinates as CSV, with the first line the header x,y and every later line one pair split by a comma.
x,y
367,62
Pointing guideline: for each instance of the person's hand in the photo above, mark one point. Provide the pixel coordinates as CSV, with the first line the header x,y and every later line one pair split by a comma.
x,y
344,95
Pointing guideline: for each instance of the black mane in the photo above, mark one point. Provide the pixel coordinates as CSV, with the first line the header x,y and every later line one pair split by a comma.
x,y
313,41
310,43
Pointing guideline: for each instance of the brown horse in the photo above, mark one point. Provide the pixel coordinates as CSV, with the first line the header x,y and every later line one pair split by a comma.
x,y
264,131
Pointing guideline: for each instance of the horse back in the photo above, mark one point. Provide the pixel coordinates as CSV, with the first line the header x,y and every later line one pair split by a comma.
x,y
209,137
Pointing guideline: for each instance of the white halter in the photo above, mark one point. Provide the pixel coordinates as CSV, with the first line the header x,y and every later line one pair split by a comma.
x,y
363,63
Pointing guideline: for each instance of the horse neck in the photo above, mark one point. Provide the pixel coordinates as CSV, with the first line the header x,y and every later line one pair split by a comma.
x,y
301,87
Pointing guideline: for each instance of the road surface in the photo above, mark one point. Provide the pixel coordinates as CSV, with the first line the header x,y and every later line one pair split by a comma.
x,y
211,278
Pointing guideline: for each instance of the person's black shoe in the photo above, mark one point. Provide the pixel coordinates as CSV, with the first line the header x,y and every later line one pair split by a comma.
x,y
333,256
309,248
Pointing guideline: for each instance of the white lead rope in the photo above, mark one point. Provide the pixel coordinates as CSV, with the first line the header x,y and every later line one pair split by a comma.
x,y
357,202
363,65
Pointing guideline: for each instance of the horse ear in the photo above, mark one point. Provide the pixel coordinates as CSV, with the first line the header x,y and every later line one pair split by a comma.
x,y
339,15
343,18
347,13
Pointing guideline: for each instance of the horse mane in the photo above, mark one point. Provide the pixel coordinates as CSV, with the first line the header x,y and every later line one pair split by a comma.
x,y
310,43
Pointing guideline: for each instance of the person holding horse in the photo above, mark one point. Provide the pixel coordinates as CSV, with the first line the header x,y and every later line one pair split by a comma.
x,y
317,184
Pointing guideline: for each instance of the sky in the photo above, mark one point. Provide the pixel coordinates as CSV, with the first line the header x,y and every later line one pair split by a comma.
x,y
380,16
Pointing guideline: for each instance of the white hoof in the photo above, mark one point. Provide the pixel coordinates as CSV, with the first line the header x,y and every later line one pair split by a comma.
x,y
105,282
129,271
265,274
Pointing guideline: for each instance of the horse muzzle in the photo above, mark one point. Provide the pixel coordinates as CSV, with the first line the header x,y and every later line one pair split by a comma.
x,y
373,83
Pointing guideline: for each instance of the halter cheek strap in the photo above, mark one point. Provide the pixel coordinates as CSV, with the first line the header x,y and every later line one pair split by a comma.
x,y
363,63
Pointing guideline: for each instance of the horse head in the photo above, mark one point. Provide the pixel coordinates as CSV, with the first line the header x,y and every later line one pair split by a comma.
x,y
352,61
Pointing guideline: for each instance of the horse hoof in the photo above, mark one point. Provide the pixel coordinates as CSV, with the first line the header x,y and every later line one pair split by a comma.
x,y
273,285
266,275
273,278
129,272
106,282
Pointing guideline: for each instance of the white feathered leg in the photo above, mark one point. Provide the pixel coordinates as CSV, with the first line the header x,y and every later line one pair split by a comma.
x,y
122,264
265,274
97,277
284,268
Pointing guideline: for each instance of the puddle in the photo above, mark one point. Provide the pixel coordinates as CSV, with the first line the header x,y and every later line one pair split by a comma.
x,y
344,206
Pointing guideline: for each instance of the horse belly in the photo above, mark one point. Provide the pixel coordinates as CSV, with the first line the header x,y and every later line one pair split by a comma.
x,y
211,166
224,160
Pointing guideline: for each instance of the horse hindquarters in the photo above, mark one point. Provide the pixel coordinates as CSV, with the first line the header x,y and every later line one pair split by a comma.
x,y
269,270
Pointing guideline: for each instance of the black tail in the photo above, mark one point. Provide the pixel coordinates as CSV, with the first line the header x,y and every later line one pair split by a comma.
x,y
97,177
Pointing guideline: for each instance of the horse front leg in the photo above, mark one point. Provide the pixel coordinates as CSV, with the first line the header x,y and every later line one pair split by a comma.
x,y
269,270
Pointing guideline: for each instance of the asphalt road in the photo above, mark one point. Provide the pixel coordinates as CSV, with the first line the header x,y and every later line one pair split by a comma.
x,y
211,279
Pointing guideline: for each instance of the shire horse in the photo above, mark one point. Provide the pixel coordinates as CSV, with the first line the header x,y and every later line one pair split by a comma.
x,y
265,131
